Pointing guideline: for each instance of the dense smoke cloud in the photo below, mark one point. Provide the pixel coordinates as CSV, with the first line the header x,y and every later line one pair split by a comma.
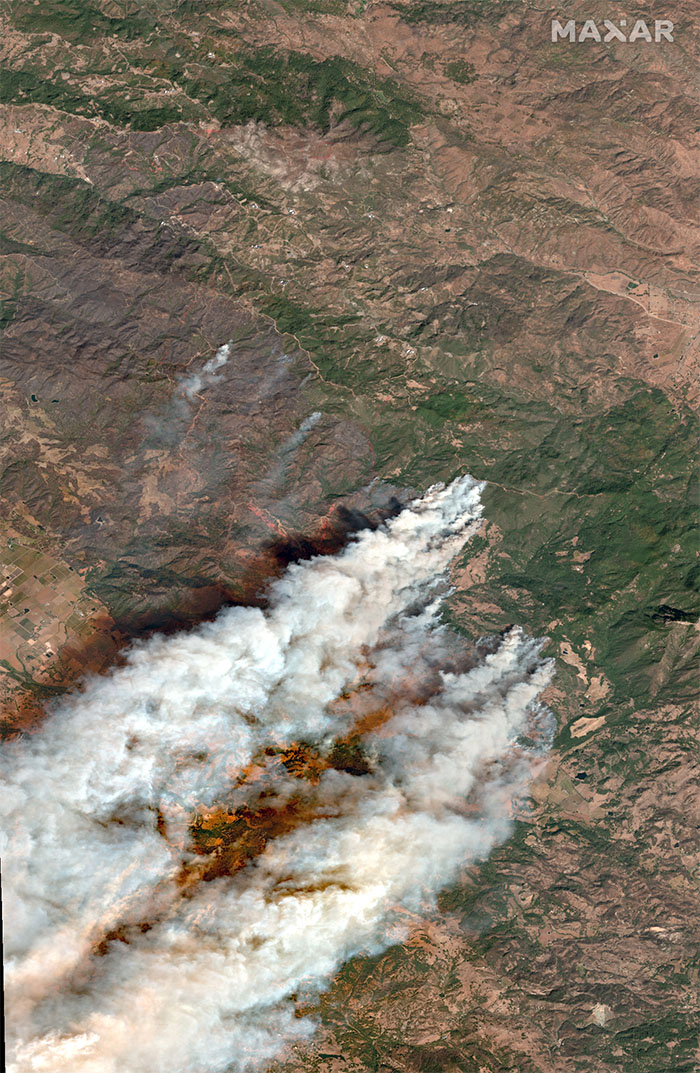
x,y
98,807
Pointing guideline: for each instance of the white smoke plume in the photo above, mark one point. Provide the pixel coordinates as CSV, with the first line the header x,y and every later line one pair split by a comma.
x,y
168,426
269,484
193,384
98,805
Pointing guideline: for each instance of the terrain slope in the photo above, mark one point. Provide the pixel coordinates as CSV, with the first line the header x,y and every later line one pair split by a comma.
x,y
437,243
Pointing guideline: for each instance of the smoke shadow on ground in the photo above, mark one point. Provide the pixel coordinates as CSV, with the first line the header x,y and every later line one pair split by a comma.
x,y
332,536
200,602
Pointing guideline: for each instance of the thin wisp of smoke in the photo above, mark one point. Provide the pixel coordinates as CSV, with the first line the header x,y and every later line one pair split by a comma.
x,y
120,956
168,426
193,384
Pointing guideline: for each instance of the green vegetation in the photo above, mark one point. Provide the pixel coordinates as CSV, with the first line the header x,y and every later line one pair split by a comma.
x,y
316,7
460,12
461,71
450,406
598,511
617,488
631,508
73,206
81,21
296,89
248,84
590,507
312,332
26,87
11,245
667,1042
8,306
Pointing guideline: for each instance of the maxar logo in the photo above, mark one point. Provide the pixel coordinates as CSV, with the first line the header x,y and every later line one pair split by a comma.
x,y
610,31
